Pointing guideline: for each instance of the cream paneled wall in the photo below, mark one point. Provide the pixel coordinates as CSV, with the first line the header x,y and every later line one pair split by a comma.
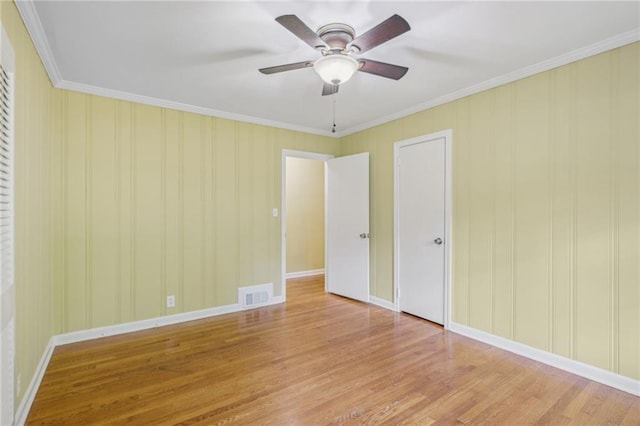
x,y
120,204
36,141
546,199
159,202
305,214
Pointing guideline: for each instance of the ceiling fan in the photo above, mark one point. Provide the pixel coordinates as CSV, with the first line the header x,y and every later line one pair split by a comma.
x,y
338,44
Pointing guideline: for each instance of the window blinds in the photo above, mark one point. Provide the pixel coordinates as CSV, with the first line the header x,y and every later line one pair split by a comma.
x,y
7,332
6,184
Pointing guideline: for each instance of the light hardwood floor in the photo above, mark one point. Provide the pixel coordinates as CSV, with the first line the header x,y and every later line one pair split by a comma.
x,y
319,359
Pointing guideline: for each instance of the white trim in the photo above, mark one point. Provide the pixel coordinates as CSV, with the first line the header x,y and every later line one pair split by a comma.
x,y
30,16
32,21
179,106
113,330
625,384
30,393
128,327
382,303
576,55
283,207
448,216
596,374
276,300
302,274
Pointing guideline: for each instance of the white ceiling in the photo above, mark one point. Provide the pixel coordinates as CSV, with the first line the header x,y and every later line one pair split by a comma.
x,y
204,56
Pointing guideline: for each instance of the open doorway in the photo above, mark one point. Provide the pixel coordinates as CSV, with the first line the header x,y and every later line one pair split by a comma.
x,y
303,213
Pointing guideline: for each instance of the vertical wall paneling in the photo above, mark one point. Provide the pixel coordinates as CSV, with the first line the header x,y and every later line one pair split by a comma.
x,y
480,202
171,212
160,202
192,204
226,241
120,204
102,217
148,298
58,211
561,203
76,195
502,214
127,211
460,303
133,239
261,211
546,208
531,303
208,211
88,211
626,123
37,211
118,191
276,269
305,231
614,213
213,218
592,298
244,176
382,221
573,141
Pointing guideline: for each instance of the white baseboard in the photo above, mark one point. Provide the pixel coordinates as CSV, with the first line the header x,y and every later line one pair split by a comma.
x,y
382,303
95,333
30,393
128,327
301,274
277,300
590,372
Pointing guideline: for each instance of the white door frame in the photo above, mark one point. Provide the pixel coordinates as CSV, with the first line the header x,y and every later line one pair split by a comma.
x,y
283,208
448,141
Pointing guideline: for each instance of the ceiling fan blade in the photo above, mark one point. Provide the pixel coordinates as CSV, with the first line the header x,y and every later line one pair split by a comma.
x,y
301,30
329,89
382,69
383,32
286,67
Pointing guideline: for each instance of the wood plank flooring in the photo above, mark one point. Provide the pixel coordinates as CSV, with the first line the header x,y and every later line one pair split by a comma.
x,y
319,359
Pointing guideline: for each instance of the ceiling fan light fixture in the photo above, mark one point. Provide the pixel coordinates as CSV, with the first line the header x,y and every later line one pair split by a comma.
x,y
336,68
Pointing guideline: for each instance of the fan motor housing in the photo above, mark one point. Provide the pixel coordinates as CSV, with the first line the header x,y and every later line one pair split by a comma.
x,y
337,36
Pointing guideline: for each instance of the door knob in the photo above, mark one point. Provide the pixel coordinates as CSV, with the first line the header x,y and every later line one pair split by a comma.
x,y
438,241
364,235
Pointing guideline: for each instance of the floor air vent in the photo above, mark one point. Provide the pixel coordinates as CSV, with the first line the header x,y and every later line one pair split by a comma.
x,y
254,296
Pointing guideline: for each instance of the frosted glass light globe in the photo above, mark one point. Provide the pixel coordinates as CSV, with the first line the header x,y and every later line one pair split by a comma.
x,y
336,68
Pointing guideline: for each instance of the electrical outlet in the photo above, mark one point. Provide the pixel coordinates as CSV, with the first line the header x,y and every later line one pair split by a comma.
x,y
171,301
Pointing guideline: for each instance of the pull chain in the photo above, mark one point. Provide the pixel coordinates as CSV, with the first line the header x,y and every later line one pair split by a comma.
x,y
333,129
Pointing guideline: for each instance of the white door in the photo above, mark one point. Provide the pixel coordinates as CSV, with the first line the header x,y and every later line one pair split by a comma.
x,y
347,222
421,229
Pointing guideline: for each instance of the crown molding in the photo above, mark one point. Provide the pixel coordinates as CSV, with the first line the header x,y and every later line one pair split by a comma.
x,y
162,103
584,52
29,14
31,19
